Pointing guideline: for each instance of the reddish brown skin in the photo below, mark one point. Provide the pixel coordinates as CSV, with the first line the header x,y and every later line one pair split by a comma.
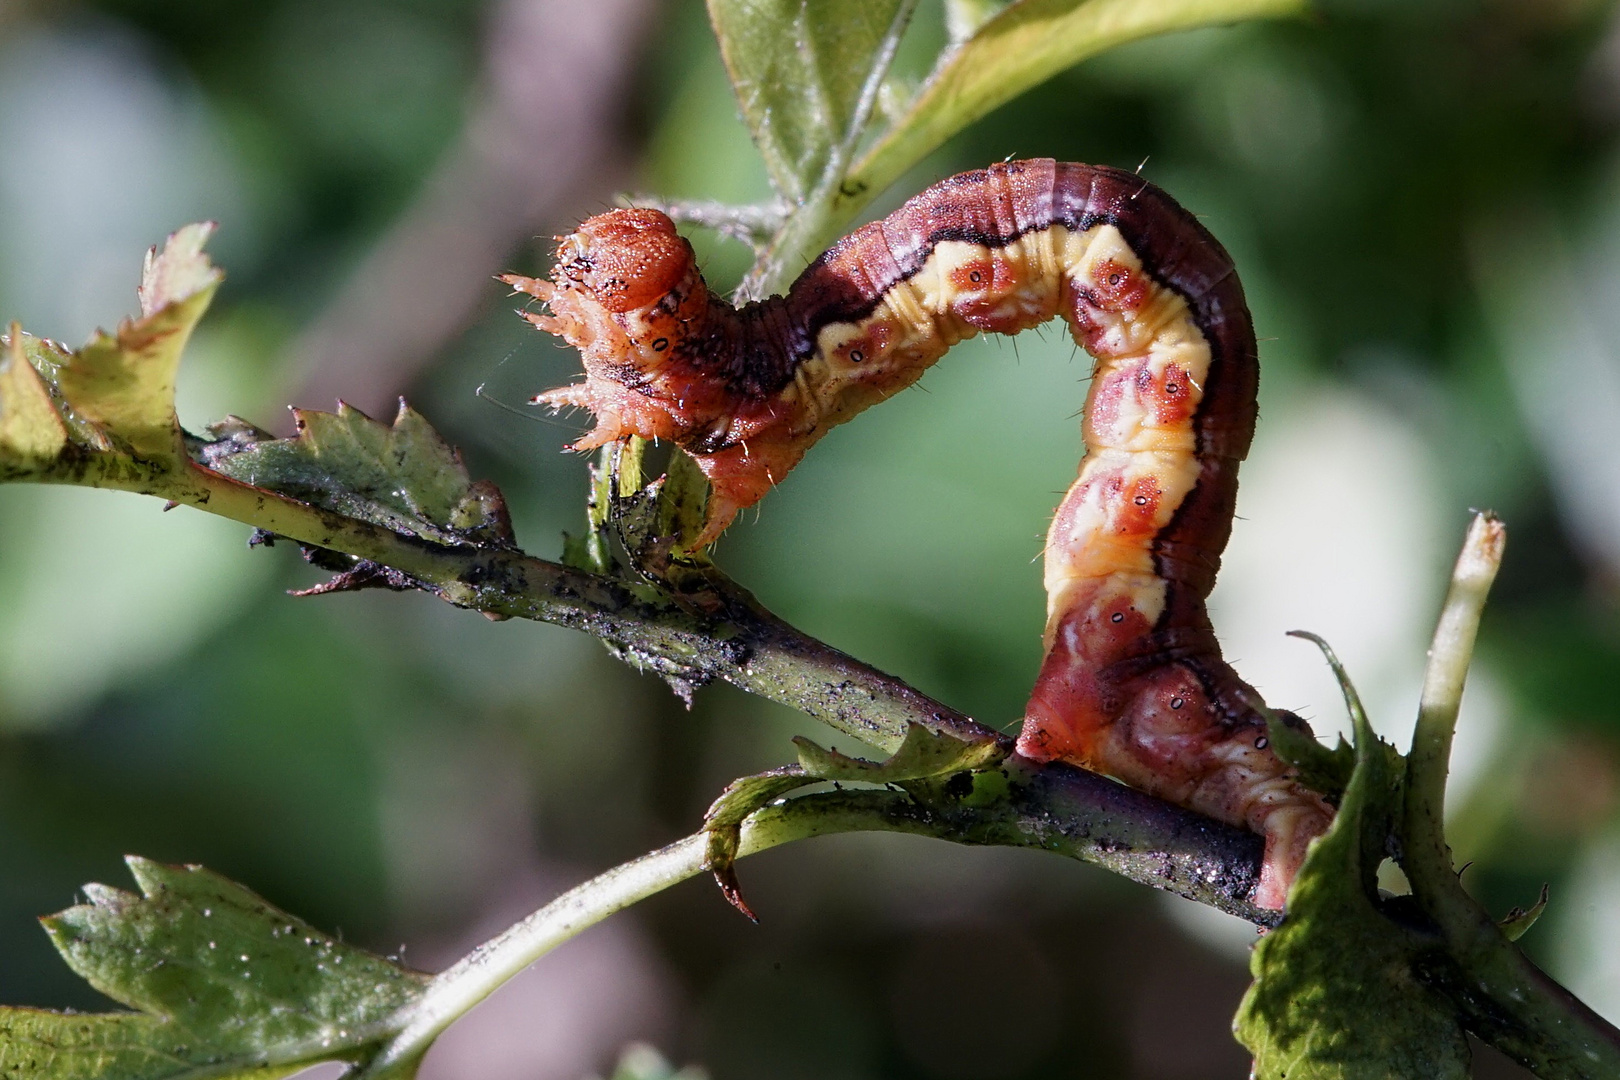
x,y
1149,700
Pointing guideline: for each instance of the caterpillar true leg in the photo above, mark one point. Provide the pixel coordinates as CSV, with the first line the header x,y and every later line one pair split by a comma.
x,y
1133,683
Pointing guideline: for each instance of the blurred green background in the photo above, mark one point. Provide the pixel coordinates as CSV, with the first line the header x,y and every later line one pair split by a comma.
x,y
1423,198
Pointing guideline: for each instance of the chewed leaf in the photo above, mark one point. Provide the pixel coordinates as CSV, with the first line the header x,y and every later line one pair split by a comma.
x,y
225,984
404,477
1020,47
180,271
112,400
1324,770
1336,994
922,755
124,382
803,73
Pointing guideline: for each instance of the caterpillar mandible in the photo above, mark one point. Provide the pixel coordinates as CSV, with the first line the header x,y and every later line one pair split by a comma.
x,y
1133,683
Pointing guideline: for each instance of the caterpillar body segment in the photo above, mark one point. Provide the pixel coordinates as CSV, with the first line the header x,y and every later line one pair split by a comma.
x,y
1133,683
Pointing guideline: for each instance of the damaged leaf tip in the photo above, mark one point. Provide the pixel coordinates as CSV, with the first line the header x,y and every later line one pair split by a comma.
x,y
179,270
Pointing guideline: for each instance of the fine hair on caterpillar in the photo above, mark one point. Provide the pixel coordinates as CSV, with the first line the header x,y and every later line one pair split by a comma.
x,y
1133,683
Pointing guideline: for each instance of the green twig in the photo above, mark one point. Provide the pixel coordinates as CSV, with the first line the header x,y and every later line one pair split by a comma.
x,y
1055,807
1505,998
1449,657
483,971
1130,839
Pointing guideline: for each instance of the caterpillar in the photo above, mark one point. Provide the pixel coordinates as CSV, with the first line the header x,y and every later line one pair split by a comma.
x,y
1133,683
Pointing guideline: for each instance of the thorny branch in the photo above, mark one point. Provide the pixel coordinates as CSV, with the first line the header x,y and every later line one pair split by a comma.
x,y
1019,823
737,640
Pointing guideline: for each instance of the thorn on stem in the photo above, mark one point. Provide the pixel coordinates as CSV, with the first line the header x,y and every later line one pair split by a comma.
x,y
731,889
365,575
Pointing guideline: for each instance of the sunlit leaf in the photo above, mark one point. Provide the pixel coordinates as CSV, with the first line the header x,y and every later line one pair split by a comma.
x,y
124,382
108,407
964,17
806,75
1021,47
403,476
226,986
1335,994
923,754
32,431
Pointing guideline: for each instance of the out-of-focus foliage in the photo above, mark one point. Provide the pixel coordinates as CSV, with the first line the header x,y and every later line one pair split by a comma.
x,y
1408,189
642,1062
1021,46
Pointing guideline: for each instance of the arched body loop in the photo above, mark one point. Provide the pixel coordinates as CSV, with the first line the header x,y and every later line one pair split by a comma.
x,y
1133,683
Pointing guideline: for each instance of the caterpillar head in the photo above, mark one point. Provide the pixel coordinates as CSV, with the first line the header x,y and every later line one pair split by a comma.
x,y
625,291
624,260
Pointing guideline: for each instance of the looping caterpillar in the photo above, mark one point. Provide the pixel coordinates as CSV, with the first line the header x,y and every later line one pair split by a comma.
x,y
1133,683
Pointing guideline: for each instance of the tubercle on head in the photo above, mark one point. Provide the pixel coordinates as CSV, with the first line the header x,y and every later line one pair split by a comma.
x,y
657,345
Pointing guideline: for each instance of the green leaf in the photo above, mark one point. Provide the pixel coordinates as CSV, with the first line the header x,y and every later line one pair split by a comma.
x,y
1323,770
631,536
658,523
111,404
964,17
922,755
36,1045
594,550
1335,993
1019,48
1320,769
683,502
32,431
226,986
404,477
807,75
1518,921
724,819
124,382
